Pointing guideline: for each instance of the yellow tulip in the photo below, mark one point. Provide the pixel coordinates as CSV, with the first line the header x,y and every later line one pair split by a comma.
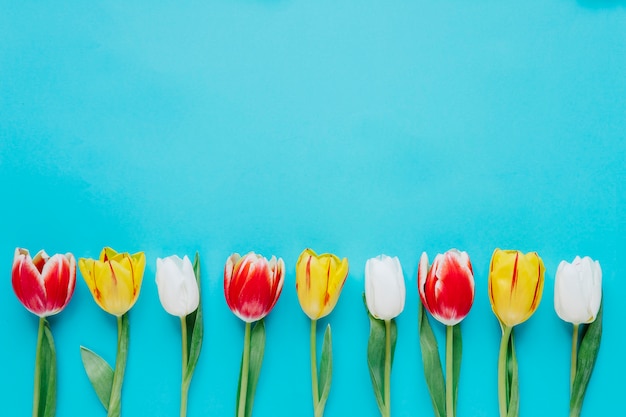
x,y
114,280
319,280
515,285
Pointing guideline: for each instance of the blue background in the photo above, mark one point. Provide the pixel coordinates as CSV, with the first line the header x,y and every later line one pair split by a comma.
x,y
356,127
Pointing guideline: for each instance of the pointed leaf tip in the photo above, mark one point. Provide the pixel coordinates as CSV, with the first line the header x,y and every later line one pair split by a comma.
x,y
100,375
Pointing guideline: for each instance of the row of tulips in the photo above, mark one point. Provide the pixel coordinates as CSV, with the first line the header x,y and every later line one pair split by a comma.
x,y
253,284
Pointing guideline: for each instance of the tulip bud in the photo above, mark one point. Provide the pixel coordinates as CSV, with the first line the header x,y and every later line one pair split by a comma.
x,y
319,280
252,285
114,279
384,287
177,285
515,285
447,288
578,290
44,285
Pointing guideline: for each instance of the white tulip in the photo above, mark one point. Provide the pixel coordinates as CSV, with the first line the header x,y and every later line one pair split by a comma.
x,y
384,287
177,285
578,290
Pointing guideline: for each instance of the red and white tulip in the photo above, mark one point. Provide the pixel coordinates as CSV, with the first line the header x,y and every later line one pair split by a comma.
x,y
252,285
447,287
43,284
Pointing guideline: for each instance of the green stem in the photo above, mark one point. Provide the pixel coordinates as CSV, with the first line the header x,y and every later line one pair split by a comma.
x,y
184,388
245,370
37,384
115,402
387,382
314,384
572,374
502,368
449,372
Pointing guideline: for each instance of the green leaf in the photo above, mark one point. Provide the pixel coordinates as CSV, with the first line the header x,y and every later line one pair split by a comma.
x,y
47,374
512,378
326,371
376,355
257,349
457,352
432,363
394,337
376,359
195,330
100,374
587,355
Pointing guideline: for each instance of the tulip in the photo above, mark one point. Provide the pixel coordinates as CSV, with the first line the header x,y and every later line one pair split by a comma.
x,y
177,285
515,287
44,285
385,294
179,294
114,280
447,288
384,287
319,280
577,299
252,285
578,290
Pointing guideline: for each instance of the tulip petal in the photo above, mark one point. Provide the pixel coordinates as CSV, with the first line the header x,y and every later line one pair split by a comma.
x,y
338,272
28,284
107,254
573,301
192,298
59,276
277,268
422,274
319,273
138,265
40,260
255,293
596,290
113,282
87,269
228,277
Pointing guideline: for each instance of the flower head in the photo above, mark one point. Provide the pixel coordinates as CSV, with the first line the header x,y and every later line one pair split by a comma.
x,y
114,279
578,290
178,289
385,291
447,287
515,285
44,284
319,280
252,285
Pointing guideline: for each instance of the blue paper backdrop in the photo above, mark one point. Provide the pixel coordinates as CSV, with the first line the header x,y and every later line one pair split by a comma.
x,y
357,127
